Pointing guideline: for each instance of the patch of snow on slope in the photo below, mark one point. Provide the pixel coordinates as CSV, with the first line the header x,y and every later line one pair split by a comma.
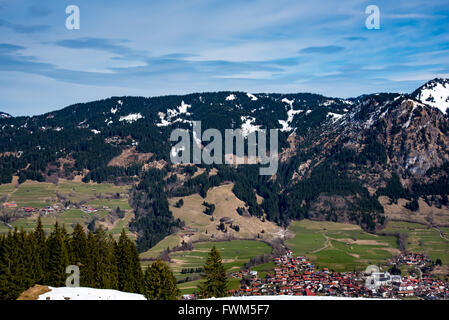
x,y
166,119
231,97
248,125
290,114
251,96
289,102
183,107
4,115
328,102
163,123
131,117
83,293
335,116
407,124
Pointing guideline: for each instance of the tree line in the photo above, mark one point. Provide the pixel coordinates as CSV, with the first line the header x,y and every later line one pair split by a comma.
x,y
29,258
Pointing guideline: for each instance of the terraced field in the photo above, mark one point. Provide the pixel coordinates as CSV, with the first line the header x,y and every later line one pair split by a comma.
x,y
103,197
424,239
339,246
234,253
34,194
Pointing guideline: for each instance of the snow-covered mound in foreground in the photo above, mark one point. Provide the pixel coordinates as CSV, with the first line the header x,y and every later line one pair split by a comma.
x,y
82,293
287,297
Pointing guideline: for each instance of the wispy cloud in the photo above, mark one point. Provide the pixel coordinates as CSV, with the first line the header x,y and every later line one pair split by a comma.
x,y
38,11
322,50
116,46
355,38
163,47
409,16
8,48
19,28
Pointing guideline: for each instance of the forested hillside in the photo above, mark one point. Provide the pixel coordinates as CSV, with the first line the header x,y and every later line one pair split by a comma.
x,y
337,156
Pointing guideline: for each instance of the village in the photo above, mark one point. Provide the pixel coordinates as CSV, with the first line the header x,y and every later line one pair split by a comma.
x,y
55,208
298,276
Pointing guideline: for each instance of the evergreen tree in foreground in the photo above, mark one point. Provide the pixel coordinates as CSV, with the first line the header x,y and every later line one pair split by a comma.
x,y
216,284
58,257
130,275
160,283
32,258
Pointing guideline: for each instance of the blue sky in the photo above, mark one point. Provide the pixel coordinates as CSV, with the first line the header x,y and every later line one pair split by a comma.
x,y
150,48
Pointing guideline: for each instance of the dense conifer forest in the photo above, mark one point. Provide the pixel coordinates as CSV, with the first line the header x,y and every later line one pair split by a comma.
x,y
29,258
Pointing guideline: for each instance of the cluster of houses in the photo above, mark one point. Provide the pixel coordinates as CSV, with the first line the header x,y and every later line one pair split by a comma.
x,y
419,260
55,208
9,205
88,209
30,209
51,209
298,276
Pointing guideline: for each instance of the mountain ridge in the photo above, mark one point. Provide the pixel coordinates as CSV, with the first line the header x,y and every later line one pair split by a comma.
x,y
338,156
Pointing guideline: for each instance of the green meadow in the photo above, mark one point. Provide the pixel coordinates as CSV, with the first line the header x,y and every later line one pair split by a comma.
x,y
102,196
423,239
234,255
339,246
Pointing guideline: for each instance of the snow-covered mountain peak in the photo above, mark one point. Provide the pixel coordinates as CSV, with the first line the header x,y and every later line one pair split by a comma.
x,y
434,93
4,115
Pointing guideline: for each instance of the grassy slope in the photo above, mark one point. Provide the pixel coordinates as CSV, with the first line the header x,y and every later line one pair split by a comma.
x,y
40,195
226,204
423,239
339,246
234,254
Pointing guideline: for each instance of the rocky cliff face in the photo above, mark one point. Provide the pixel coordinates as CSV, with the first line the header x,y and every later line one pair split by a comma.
x,y
382,137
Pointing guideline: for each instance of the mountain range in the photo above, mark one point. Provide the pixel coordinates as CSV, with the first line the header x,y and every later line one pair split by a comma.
x,y
339,158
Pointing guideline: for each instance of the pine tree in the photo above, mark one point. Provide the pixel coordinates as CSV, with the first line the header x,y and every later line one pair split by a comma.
x,y
78,246
216,283
111,259
78,252
40,252
106,268
130,276
11,269
58,258
39,233
30,259
160,283
88,277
